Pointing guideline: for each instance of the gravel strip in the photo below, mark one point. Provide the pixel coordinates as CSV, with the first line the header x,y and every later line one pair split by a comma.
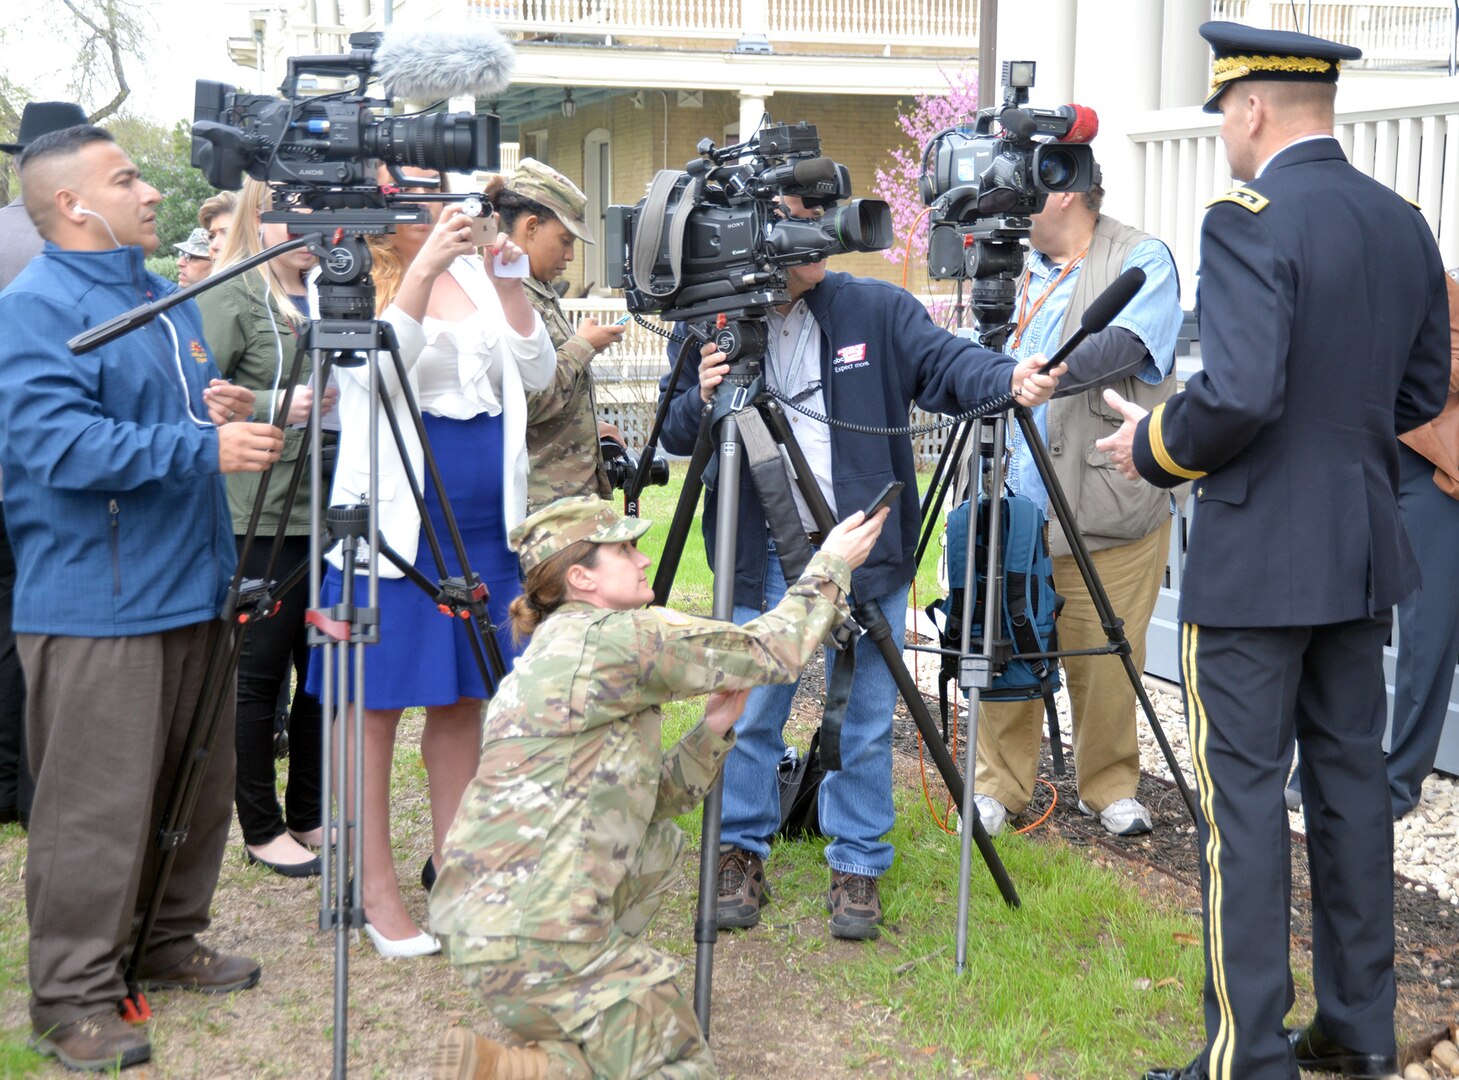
x,y
1425,841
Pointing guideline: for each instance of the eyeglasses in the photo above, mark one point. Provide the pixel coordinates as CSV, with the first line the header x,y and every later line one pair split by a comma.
x,y
185,257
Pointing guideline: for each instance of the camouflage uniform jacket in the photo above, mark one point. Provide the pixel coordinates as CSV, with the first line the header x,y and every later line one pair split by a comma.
x,y
562,421
573,770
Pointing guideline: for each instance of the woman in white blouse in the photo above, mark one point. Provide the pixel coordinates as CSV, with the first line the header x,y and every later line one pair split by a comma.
x,y
473,348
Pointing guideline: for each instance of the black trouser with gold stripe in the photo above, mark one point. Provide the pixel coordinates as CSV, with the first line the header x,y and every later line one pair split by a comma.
x,y
1248,693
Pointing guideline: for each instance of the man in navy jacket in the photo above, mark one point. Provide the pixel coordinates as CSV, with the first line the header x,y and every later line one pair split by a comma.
x,y
859,351
124,548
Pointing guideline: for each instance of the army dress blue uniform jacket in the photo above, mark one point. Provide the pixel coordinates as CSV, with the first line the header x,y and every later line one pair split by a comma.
x,y
1324,333
880,351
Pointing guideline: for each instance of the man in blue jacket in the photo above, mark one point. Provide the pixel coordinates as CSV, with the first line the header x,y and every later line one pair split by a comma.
x,y
116,509
859,351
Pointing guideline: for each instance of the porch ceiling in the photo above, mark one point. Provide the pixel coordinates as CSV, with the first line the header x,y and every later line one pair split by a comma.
x,y
546,69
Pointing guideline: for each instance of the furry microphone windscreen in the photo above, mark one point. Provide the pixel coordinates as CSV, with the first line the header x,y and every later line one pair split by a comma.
x,y
436,64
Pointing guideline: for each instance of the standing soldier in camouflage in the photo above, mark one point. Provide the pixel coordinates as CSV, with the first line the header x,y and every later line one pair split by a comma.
x,y
542,212
563,847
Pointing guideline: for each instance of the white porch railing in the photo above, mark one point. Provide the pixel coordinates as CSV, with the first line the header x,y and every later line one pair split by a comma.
x,y
1411,145
942,23
1391,33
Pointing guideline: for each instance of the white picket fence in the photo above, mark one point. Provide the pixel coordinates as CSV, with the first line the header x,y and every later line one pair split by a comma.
x,y
952,23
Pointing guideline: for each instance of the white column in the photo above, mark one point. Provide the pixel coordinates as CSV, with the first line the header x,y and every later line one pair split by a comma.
x,y
1042,31
1117,73
752,108
1185,58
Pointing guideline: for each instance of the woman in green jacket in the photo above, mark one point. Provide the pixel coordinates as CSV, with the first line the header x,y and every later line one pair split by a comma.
x,y
251,323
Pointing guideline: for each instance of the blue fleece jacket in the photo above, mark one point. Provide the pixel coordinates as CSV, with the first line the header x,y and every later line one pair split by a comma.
x,y
880,351
113,499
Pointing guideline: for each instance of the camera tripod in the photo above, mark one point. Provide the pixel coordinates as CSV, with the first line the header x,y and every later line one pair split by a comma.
x,y
993,295
345,335
745,423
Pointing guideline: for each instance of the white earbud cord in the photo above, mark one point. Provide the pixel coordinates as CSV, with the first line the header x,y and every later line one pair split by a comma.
x,y
181,375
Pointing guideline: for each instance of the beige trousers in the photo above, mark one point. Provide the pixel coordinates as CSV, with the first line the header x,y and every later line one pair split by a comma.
x,y
1106,752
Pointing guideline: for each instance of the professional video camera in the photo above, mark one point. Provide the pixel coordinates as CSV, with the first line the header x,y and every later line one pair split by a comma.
x,y
983,186
713,239
319,153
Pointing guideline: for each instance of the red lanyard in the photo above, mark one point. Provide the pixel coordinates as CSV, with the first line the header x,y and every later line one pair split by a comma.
x,y
1026,317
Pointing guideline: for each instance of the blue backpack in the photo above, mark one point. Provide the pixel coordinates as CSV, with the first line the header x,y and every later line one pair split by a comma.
x,y
1030,609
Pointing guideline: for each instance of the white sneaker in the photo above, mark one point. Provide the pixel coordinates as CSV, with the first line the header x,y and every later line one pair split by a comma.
x,y
1123,817
992,812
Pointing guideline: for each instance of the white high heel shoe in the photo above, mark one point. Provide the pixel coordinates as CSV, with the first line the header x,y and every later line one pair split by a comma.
x,y
421,945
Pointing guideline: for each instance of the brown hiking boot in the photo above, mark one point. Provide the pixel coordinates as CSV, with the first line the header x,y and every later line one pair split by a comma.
x,y
99,1042
464,1055
855,907
206,971
742,889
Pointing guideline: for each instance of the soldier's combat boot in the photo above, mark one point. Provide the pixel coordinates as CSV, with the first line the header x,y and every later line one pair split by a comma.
x,y
464,1055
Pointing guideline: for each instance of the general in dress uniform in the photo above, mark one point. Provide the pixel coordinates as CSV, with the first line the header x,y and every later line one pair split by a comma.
x,y
1324,331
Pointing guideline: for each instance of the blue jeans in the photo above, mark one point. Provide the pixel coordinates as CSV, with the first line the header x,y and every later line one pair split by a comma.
x,y
855,802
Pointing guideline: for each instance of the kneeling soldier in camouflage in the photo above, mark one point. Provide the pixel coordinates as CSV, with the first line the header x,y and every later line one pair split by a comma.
x,y
563,847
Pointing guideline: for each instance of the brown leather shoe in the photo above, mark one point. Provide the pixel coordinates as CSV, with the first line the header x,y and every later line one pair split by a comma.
x,y
855,907
99,1042
206,971
742,889
464,1055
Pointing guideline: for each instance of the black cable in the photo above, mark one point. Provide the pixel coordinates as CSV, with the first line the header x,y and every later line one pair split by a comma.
x,y
1001,403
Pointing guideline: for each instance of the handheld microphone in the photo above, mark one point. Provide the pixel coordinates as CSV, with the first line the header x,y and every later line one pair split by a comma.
x,y
1098,314
432,64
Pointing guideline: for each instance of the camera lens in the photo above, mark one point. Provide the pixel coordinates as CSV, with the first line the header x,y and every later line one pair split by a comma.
x,y
449,143
1057,169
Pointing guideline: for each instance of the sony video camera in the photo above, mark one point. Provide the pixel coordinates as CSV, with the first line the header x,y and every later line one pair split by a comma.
x,y
320,152
713,238
982,184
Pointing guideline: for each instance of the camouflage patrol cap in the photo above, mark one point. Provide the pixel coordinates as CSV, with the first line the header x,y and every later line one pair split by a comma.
x,y
563,523
544,184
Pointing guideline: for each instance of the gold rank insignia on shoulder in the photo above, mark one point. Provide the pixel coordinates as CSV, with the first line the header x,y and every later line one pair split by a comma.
x,y
1411,203
671,617
1254,201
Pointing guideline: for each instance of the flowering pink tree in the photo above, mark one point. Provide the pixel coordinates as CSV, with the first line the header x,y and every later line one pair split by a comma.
x,y
930,113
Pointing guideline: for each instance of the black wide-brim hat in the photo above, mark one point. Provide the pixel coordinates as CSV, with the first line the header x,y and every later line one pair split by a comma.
x,y
41,118
1247,52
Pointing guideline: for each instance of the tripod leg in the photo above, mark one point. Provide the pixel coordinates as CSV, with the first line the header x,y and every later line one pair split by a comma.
x,y
706,927
942,478
684,513
1113,625
873,622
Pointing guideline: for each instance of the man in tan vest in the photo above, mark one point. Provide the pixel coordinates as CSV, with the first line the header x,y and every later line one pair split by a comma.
x,y
1076,253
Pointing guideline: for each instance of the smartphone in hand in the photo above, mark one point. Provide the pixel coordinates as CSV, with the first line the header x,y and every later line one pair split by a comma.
x,y
886,498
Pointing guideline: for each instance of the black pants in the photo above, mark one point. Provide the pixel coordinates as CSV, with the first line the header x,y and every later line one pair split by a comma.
x,y
16,787
1248,693
271,649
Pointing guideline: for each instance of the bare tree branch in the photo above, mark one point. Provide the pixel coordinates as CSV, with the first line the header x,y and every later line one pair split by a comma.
x,y
110,37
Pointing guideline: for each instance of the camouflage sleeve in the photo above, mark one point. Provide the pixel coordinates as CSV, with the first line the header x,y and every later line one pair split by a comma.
x,y
689,769
683,655
573,357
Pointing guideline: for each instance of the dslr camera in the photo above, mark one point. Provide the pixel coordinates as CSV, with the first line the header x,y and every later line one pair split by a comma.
x,y
713,238
621,464
983,184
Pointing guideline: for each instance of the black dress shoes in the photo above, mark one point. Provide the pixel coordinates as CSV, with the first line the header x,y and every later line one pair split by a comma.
x,y
1193,1071
1315,1051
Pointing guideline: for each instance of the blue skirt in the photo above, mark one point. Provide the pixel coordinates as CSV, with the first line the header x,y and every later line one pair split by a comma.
x,y
424,657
